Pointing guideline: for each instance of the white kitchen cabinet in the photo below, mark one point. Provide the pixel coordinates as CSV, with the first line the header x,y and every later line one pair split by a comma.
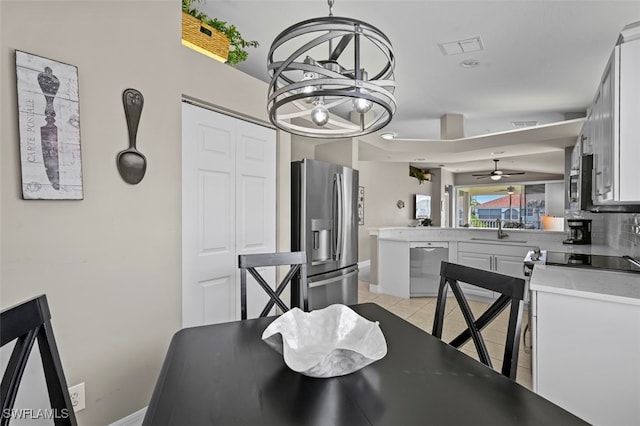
x,y
504,259
586,356
577,151
509,265
614,128
605,132
480,261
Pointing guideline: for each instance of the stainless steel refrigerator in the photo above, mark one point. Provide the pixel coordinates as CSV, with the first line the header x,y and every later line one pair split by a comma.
x,y
324,223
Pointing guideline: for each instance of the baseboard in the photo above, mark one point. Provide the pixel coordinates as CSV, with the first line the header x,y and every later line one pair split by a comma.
x,y
133,419
374,288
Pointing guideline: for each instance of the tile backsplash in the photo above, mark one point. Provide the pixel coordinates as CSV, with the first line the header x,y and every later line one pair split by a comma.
x,y
622,231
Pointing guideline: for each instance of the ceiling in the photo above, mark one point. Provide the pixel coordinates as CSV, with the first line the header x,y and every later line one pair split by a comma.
x,y
542,61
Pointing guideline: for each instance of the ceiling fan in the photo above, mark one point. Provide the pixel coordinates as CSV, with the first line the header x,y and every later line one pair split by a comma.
x,y
497,174
509,190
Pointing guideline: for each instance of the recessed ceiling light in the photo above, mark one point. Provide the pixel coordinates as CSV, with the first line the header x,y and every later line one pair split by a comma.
x,y
469,63
497,152
387,136
419,159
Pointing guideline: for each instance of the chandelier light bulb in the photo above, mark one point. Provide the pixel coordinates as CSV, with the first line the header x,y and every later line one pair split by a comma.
x,y
307,90
320,115
361,105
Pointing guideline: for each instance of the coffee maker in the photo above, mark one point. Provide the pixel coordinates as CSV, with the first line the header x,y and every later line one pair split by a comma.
x,y
579,231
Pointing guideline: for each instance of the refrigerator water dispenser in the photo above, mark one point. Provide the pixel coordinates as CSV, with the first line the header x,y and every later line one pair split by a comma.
x,y
321,240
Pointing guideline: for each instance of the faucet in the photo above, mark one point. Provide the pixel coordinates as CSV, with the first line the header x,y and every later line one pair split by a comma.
x,y
501,234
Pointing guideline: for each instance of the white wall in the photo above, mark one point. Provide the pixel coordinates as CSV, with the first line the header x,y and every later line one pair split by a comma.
x,y
109,264
385,184
302,148
340,151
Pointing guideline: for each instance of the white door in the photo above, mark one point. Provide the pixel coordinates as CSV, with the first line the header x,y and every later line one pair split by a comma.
x,y
228,208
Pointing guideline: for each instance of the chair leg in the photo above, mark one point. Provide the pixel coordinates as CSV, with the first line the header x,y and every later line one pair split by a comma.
x,y
512,347
243,294
440,305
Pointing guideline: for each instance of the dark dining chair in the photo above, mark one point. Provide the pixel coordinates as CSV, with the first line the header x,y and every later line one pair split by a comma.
x,y
298,262
511,292
26,323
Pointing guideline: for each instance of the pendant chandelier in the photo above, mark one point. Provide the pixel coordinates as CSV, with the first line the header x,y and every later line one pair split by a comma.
x,y
322,87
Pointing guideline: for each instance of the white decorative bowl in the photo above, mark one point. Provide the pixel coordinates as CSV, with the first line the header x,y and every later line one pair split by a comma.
x,y
328,342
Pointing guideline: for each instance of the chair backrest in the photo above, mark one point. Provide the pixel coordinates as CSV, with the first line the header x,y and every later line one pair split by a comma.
x,y
511,291
26,323
298,262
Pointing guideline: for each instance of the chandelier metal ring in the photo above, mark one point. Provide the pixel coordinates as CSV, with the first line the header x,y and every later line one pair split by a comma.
x,y
328,93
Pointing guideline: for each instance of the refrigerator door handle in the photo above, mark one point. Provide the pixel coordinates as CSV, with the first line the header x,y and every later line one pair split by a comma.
x,y
331,280
340,216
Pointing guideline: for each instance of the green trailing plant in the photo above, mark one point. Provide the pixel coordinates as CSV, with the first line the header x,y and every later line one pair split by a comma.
x,y
238,45
421,175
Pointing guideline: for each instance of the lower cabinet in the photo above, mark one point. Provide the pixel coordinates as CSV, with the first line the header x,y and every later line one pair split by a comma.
x,y
480,261
491,257
586,356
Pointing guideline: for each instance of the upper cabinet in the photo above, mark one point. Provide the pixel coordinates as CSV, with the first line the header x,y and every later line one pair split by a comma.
x,y
612,129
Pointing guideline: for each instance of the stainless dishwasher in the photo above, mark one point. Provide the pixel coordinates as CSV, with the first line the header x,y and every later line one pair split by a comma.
x,y
424,267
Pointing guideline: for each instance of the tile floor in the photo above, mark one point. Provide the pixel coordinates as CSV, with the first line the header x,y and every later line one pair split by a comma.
x,y
420,312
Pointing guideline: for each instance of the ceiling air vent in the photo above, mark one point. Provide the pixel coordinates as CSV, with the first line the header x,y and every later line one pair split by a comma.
x,y
521,124
461,46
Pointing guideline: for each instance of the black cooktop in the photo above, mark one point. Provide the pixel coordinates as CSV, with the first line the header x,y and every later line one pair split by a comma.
x,y
611,263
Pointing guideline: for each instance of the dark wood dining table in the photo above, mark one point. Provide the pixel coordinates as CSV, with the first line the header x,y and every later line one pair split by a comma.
x,y
224,374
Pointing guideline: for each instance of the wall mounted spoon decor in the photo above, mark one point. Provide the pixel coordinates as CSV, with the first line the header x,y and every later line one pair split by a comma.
x,y
132,164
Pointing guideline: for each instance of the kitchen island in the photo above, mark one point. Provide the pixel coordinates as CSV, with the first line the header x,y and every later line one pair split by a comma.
x,y
478,248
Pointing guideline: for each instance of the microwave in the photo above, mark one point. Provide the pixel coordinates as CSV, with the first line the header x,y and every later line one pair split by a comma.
x,y
581,191
580,185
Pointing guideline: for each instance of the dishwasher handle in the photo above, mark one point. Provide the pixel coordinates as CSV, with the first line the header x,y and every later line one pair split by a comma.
x,y
429,244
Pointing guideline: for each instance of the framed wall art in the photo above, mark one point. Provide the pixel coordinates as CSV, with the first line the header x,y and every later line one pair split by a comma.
x,y
49,126
361,205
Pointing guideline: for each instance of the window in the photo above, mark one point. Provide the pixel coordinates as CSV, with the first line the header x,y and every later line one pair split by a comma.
x,y
517,206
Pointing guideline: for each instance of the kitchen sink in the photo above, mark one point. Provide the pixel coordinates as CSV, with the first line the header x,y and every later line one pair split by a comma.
x,y
496,240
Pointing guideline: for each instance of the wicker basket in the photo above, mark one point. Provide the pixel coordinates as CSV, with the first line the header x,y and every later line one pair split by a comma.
x,y
203,38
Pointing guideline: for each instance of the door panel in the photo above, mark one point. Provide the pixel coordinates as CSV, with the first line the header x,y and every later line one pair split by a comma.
x,y
510,265
212,292
255,204
479,261
228,208
208,215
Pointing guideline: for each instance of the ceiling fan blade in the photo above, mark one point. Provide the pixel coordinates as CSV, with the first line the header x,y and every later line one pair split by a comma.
x,y
342,44
482,174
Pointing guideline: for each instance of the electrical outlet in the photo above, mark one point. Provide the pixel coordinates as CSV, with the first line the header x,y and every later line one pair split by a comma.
x,y
77,397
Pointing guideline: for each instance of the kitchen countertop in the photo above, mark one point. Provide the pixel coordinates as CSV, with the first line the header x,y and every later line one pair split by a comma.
x,y
605,285
595,284
545,240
